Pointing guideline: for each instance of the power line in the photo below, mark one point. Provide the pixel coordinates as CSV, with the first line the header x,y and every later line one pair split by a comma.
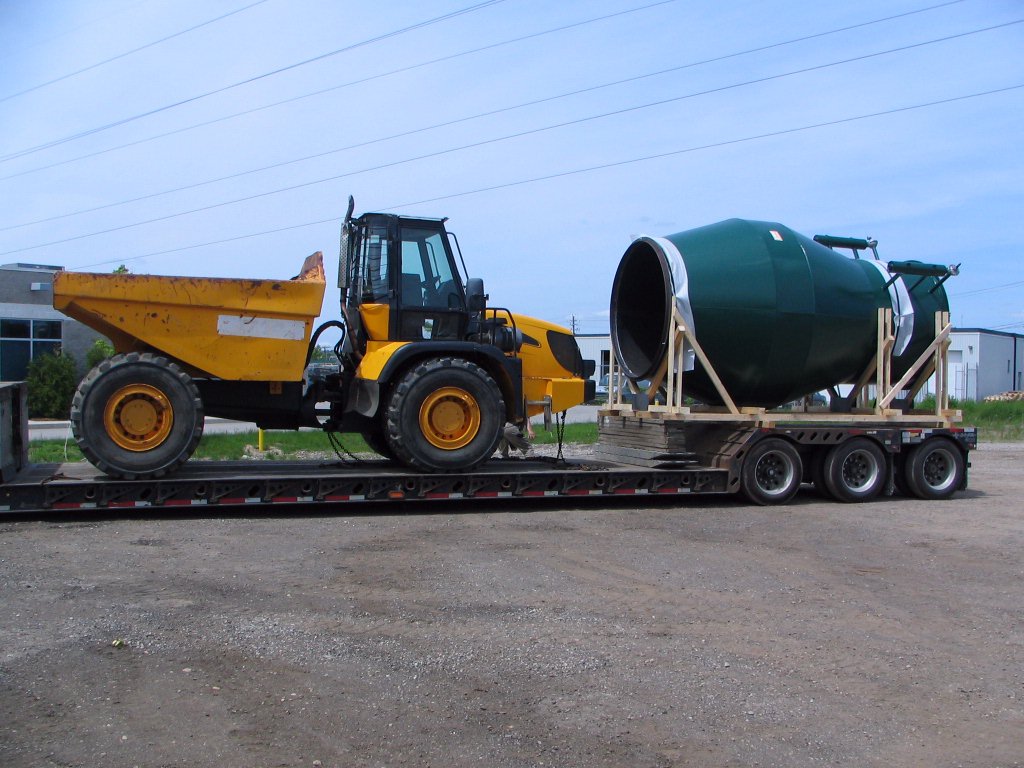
x,y
388,74
249,80
11,54
129,53
1006,325
447,123
577,171
507,137
1000,287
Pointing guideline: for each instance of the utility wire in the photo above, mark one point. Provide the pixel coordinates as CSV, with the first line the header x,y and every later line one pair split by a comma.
x,y
253,79
435,126
990,288
129,53
578,171
506,137
9,54
389,74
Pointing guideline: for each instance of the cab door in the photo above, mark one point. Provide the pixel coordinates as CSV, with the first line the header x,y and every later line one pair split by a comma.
x,y
432,300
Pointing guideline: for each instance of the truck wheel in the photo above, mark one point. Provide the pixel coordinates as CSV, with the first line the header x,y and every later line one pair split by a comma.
x,y
855,470
378,444
772,471
445,415
934,470
137,416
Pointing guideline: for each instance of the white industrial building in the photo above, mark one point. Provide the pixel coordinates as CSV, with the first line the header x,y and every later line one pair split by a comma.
x,y
982,362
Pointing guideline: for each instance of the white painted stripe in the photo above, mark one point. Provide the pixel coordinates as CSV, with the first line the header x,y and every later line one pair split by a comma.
x,y
261,327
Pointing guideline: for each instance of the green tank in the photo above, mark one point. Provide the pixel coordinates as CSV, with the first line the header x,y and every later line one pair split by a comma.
x,y
779,315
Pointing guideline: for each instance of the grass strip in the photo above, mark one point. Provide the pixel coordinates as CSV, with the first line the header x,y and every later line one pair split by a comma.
x,y
292,445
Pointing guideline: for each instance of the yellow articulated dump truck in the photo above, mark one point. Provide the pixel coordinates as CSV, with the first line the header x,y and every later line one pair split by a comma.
x,y
427,372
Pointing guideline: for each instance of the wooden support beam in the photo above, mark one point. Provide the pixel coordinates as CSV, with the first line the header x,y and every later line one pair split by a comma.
x,y
935,350
708,368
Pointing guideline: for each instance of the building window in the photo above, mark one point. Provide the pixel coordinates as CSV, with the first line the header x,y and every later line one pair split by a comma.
x,y
22,340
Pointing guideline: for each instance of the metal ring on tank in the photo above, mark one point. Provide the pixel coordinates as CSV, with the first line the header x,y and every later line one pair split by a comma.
x,y
680,287
902,307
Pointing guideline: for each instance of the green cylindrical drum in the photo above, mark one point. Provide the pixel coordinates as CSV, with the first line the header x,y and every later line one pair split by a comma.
x,y
778,314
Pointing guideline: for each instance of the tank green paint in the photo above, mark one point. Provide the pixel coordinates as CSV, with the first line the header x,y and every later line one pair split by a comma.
x,y
778,315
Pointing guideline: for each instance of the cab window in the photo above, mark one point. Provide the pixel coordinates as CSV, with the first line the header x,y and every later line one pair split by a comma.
x,y
427,278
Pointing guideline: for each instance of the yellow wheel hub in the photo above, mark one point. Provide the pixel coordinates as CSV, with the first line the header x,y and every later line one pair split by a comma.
x,y
138,417
450,418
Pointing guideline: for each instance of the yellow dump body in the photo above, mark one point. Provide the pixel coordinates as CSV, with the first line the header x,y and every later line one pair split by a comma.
x,y
242,330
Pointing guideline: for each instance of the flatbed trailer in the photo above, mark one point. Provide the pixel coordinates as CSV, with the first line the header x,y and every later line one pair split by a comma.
x,y
206,484
720,469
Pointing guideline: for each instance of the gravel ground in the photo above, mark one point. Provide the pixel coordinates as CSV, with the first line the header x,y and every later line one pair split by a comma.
x,y
710,633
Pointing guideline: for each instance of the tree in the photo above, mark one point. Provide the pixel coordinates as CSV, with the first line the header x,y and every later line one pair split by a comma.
x,y
51,384
122,270
100,350
322,355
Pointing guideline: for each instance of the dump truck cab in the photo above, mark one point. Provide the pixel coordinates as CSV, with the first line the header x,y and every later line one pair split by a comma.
x,y
401,281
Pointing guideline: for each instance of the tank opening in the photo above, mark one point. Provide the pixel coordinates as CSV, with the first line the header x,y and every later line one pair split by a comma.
x,y
641,310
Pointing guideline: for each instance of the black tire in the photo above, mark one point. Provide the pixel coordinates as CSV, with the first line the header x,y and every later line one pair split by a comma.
x,y
935,469
899,475
855,470
818,472
137,416
378,444
444,415
771,472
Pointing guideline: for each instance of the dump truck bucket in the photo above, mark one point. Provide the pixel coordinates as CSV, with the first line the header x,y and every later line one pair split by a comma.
x,y
242,330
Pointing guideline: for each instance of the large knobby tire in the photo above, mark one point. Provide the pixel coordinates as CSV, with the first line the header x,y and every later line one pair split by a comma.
x,y
378,443
444,415
771,472
855,470
137,416
935,469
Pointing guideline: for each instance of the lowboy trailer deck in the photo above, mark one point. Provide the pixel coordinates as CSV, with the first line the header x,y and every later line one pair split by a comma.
x,y
42,488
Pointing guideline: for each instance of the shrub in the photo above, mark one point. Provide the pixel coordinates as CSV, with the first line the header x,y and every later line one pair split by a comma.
x,y
51,384
100,350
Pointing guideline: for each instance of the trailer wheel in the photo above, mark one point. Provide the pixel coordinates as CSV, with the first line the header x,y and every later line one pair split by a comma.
x,y
934,470
771,472
818,472
855,470
137,416
445,415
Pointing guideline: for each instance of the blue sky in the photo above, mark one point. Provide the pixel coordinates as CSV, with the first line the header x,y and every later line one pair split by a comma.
x,y
939,183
